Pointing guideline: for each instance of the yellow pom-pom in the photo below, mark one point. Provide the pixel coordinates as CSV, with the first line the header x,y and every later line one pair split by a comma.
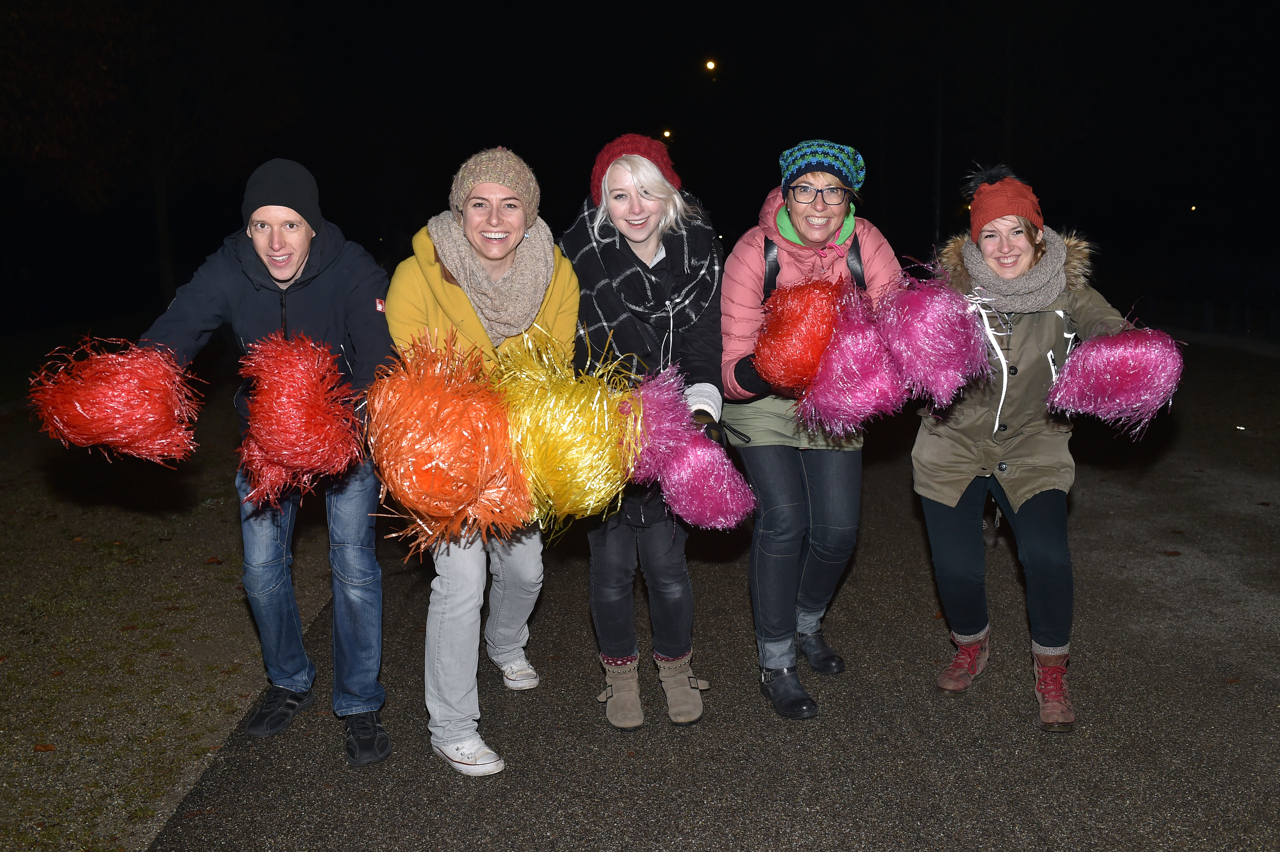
x,y
576,437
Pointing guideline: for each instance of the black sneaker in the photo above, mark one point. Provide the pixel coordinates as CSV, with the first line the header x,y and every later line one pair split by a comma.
x,y
367,741
277,710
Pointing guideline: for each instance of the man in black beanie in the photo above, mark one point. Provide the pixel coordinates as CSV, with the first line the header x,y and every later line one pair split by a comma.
x,y
289,270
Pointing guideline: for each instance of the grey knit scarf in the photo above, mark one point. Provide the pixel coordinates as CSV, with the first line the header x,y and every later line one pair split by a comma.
x,y
1033,290
508,306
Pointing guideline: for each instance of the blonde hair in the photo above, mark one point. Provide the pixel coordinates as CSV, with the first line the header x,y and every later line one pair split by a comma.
x,y
649,180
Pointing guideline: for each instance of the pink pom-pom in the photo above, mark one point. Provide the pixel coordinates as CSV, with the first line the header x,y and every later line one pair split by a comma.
x,y
857,380
301,421
935,337
666,425
1123,379
109,393
703,487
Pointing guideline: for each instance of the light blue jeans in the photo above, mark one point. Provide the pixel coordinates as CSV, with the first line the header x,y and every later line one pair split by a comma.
x,y
351,501
453,623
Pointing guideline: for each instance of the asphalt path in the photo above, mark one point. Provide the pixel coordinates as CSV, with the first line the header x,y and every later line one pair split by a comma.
x,y
1176,544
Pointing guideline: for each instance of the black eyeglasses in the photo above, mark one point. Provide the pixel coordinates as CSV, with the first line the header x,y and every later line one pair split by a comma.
x,y
832,195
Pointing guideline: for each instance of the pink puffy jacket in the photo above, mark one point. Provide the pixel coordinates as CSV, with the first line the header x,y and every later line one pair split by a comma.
x,y
741,310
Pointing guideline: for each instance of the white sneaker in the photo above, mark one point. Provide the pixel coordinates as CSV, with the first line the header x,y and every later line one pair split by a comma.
x,y
471,757
520,675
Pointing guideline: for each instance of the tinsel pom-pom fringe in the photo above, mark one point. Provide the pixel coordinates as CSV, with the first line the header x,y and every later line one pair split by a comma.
x,y
666,426
858,379
703,487
1122,379
575,437
438,433
798,323
302,425
111,394
935,337
698,481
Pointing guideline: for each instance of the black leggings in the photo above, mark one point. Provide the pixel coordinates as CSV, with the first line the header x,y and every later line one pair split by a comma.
x,y
959,559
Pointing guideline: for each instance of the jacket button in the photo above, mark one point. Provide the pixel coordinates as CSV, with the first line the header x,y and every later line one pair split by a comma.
x,y
1013,371
1002,467
1004,426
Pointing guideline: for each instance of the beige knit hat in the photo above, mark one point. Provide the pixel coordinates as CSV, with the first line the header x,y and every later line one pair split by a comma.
x,y
500,166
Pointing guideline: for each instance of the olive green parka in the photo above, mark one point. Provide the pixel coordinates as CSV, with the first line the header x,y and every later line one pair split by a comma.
x,y
1002,427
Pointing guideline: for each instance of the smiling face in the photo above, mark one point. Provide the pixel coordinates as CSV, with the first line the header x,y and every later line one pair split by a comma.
x,y
282,240
634,212
494,221
817,223
1008,246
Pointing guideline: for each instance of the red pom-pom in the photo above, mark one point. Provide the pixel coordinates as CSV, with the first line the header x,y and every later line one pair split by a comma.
x,y
858,379
440,437
797,328
1123,379
133,400
935,337
301,422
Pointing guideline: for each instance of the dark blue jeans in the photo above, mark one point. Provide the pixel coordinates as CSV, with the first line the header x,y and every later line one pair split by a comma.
x,y
351,500
959,559
806,526
657,538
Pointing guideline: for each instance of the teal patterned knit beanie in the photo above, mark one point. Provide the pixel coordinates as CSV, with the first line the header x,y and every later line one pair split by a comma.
x,y
819,155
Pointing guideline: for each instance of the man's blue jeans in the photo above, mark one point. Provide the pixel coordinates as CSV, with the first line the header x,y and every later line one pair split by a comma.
x,y
351,500
806,526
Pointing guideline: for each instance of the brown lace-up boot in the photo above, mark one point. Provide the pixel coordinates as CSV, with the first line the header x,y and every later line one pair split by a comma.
x,y
1056,712
969,661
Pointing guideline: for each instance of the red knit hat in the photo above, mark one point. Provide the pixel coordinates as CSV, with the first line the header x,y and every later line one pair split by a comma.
x,y
632,143
1007,197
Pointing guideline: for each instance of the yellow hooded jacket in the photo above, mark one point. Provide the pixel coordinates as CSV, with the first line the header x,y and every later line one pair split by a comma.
x,y
423,302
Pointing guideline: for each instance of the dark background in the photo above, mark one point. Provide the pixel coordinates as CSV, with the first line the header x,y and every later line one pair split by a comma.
x,y
129,129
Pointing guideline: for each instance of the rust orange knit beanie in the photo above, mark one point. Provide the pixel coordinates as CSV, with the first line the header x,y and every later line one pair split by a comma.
x,y
1006,197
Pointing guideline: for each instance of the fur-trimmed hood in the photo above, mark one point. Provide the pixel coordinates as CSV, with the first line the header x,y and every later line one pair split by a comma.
x,y
1078,265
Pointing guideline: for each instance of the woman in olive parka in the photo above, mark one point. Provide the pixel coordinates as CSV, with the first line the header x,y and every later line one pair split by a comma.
x,y
1032,291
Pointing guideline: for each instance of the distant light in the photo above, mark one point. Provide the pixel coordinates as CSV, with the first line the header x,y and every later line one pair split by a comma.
x,y
667,134
711,65
1241,428
1193,207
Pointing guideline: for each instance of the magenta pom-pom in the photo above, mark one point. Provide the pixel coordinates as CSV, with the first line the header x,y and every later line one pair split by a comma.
x,y
666,424
1123,379
857,379
703,487
935,337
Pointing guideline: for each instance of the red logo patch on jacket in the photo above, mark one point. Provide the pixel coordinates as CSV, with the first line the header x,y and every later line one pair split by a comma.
x,y
381,305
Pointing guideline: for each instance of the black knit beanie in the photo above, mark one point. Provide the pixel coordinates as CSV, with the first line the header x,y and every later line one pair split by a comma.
x,y
283,183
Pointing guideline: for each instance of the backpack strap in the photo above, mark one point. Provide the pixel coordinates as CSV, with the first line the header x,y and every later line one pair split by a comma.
x,y
853,259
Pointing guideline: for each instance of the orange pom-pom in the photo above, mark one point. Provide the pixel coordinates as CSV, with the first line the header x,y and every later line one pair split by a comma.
x,y
301,422
797,328
132,400
438,433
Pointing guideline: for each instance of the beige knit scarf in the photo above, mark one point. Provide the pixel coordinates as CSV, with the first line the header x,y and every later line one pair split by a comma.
x,y
508,306
1033,290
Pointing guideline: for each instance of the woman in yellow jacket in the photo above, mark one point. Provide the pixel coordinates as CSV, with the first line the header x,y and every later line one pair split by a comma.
x,y
488,270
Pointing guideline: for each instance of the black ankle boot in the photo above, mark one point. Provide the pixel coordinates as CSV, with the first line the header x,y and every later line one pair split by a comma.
x,y
822,657
782,687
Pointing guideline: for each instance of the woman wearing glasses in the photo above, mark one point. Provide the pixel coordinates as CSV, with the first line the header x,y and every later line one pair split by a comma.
x,y
807,485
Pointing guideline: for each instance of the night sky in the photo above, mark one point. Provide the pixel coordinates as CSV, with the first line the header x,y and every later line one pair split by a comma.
x,y
1121,120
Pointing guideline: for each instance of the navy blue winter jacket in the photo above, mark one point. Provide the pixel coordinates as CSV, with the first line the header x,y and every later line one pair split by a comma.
x,y
338,301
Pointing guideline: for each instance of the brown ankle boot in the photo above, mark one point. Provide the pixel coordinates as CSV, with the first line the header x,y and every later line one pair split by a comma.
x,y
621,696
1056,712
684,691
969,662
